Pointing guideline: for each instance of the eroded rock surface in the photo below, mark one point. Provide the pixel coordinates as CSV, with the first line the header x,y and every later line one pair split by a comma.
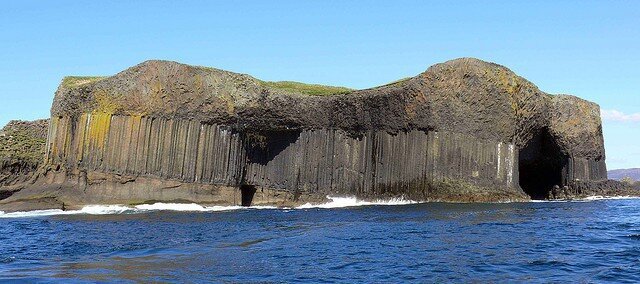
x,y
464,130
22,149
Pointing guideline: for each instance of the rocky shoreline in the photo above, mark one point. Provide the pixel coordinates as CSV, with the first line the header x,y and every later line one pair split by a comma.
x,y
463,131
130,191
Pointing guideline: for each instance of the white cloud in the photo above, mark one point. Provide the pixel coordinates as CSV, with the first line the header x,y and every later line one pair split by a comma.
x,y
618,116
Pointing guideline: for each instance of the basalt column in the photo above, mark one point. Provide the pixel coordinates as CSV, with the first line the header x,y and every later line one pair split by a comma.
x,y
463,130
412,164
184,150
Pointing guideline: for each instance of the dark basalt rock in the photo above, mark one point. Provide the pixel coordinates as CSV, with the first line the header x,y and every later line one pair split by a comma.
x,y
464,130
467,96
583,189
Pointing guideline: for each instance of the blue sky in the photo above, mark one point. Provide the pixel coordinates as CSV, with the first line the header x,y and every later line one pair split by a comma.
x,y
587,48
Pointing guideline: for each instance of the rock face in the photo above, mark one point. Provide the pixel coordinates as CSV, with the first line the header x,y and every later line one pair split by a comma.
x,y
464,130
22,150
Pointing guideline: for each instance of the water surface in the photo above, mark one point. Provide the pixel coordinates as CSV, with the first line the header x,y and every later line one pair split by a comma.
x,y
595,241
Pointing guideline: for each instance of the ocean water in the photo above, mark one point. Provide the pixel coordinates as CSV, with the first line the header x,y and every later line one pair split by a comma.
x,y
343,241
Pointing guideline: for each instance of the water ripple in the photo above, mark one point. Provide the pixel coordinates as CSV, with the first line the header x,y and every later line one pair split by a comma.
x,y
594,241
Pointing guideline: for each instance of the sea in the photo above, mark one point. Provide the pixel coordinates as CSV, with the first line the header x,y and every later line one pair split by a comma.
x,y
594,240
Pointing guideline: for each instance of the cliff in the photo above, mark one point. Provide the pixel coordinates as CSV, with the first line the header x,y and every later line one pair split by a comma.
x,y
464,130
22,151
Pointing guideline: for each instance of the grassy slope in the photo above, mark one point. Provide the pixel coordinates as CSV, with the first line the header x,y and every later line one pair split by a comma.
x,y
74,81
306,89
288,87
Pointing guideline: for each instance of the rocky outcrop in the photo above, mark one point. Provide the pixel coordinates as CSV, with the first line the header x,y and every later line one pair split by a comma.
x,y
321,161
464,130
584,189
22,150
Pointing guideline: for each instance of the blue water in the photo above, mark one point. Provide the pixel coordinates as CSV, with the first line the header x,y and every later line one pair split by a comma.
x,y
596,241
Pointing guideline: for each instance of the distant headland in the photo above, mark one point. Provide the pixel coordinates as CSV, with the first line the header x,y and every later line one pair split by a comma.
x,y
465,130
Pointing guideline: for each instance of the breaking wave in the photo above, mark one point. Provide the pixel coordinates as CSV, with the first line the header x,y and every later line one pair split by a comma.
x,y
598,197
335,202
340,202
121,209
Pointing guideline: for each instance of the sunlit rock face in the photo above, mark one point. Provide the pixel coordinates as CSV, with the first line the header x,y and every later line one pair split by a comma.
x,y
464,130
22,148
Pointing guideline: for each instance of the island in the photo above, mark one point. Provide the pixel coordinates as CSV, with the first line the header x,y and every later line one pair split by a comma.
x,y
464,130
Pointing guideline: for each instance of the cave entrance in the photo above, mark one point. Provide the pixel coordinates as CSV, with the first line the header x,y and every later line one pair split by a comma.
x,y
263,147
540,165
247,192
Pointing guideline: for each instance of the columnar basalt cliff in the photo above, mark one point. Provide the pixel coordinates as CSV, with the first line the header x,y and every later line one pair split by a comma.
x,y
464,130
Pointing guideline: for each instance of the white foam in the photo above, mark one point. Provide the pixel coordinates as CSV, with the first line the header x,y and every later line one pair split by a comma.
x,y
89,209
122,209
341,202
35,213
171,207
599,197
102,209
335,202
193,207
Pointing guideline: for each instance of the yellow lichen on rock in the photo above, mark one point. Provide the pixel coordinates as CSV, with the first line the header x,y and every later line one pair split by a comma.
x,y
106,103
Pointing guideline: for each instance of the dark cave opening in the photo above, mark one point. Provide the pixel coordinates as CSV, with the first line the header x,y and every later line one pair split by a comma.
x,y
263,147
540,165
247,192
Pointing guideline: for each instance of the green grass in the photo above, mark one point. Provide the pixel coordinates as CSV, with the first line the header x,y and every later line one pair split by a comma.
x,y
397,82
305,89
75,81
288,87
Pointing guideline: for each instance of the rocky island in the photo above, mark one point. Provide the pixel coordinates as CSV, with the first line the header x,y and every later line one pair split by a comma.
x,y
463,131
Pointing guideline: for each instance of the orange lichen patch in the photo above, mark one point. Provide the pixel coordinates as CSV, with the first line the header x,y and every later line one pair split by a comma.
x,y
156,88
197,80
106,103
98,129
82,135
52,145
509,83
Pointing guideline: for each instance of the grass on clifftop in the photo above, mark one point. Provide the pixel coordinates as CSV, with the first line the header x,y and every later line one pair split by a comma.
x,y
74,81
306,89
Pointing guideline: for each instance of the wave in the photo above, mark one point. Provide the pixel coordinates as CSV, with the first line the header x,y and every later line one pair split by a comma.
x,y
598,197
335,202
342,202
121,209
90,209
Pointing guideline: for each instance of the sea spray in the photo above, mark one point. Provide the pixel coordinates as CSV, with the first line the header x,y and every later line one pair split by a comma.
x,y
340,202
335,202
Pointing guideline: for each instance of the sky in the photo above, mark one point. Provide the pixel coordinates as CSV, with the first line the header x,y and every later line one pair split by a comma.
x,y
590,49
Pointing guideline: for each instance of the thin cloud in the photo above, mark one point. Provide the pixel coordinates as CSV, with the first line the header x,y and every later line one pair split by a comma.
x,y
618,116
